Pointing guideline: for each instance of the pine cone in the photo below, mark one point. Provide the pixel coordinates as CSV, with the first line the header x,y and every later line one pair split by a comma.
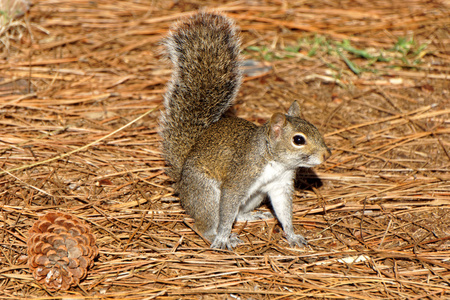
x,y
61,248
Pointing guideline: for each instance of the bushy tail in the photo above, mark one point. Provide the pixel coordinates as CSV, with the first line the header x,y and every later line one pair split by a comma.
x,y
204,50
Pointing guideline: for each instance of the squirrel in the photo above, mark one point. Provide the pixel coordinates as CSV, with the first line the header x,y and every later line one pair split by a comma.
x,y
224,167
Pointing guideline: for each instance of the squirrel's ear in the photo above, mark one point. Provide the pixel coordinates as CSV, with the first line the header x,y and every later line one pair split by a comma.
x,y
294,110
277,122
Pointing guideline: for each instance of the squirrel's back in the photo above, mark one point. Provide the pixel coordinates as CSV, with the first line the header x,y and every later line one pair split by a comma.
x,y
204,50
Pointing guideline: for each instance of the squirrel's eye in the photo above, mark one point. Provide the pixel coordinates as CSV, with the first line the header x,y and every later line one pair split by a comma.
x,y
299,140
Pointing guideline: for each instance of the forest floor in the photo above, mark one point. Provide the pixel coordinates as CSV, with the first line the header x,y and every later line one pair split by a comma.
x,y
81,88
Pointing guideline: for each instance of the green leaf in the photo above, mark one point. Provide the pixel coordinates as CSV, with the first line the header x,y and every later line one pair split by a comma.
x,y
349,63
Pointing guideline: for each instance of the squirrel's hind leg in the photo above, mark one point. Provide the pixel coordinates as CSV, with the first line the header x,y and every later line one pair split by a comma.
x,y
246,212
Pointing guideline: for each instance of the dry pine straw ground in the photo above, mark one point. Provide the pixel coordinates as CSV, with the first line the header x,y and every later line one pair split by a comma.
x,y
376,214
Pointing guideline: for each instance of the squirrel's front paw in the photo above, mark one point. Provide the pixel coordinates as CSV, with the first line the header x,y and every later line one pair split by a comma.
x,y
227,242
296,240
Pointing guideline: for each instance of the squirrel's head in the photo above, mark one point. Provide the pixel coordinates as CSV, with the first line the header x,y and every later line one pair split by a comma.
x,y
294,141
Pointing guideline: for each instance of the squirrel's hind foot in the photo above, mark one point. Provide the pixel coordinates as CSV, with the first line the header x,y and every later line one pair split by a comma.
x,y
254,216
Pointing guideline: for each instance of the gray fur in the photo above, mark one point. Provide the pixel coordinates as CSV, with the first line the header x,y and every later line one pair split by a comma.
x,y
206,77
225,167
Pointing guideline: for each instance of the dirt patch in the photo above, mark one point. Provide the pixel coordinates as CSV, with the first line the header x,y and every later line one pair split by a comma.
x,y
81,85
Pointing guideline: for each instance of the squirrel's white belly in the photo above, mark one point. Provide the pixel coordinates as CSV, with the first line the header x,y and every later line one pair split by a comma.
x,y
274,176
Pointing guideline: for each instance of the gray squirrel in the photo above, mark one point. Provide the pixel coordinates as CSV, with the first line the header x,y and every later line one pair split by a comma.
x,y
224,167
